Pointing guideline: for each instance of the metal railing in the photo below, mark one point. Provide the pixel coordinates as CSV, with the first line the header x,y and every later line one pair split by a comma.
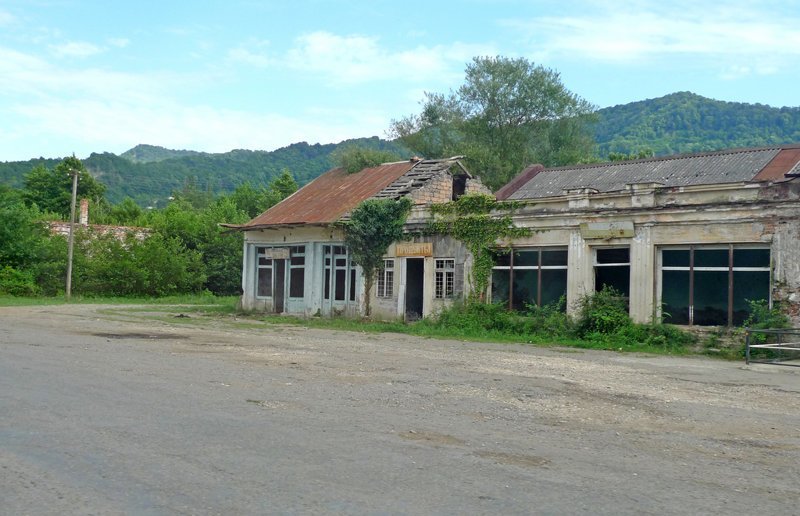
x,y
780,346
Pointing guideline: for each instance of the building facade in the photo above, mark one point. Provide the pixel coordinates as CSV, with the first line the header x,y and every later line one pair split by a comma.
x,y
687,239
295,260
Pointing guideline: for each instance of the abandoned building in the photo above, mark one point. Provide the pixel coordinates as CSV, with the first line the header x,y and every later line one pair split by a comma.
x,y
295,260
688,239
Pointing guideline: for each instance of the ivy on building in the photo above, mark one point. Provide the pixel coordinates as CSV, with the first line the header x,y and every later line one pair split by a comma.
x,y
479,221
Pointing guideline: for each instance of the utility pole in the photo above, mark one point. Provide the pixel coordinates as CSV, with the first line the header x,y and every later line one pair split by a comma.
x,y
71,231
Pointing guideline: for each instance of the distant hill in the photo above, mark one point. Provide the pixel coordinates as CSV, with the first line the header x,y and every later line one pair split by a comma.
x,y
143,153
684,122
673,124
150,174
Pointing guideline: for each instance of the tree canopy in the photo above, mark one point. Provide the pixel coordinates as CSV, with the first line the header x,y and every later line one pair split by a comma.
x,y
373,226
51,189
507,114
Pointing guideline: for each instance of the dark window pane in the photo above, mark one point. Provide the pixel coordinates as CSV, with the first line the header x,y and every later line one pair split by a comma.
x,y
502,258
617,277
525,289
554,257
298,260
327,294
264,282
711,258
263,260
710,298
296,282
748,286
526,258
352,284
751,257
675,296
340,282
500,286
613,255
298,249
675,258
554,285
341,262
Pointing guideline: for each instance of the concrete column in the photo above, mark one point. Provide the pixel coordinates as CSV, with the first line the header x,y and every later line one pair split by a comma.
x,y
580,275
642,276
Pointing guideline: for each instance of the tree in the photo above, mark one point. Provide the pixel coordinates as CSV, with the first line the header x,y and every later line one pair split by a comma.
x,y
509,113
51,190
373,226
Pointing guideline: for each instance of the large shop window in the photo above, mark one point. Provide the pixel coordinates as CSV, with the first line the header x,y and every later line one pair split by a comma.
x,y
525,277
265,265
710,286
612,268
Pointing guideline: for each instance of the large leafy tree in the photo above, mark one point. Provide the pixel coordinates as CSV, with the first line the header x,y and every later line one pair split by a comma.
x,y
51,189
509,113
373,226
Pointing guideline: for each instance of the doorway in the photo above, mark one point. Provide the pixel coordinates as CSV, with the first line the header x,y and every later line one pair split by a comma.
x,y
415,282
280,286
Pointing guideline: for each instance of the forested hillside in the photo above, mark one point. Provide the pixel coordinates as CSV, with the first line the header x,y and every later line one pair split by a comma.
x,y
677,123
149,174
685,122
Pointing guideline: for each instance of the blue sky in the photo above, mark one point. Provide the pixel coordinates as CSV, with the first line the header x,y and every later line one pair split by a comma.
x,y
81,76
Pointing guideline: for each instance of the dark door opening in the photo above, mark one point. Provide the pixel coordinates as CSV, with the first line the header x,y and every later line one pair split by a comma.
x,y
415,268
280,286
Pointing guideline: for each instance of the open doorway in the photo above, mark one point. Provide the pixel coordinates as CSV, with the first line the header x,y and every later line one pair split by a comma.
x,y
415,274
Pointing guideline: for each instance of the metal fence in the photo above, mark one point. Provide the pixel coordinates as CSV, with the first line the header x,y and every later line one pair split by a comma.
x,y
778,346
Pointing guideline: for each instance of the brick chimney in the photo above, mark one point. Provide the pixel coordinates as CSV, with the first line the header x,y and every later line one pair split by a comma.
x,y
84,217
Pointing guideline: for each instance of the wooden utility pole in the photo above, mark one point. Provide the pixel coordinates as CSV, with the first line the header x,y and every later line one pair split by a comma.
x,y
71,231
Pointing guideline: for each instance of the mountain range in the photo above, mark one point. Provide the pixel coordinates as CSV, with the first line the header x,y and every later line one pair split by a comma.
x,y
676,123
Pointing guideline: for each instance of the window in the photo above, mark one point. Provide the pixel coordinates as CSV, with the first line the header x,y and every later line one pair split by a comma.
x,y
445,278
612,268
297,270
531,276
386,279
708,285
264,273
340,274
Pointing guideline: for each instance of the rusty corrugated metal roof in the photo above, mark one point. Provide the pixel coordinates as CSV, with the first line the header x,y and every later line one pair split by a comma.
x,y
730,166
328,197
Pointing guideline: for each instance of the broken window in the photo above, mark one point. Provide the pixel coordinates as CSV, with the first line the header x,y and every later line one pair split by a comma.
x,y
529,277
444,278
386,279
712,286
340,276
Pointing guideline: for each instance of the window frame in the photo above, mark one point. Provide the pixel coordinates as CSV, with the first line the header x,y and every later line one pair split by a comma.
x,y
731,269
385,281
539,267
444,278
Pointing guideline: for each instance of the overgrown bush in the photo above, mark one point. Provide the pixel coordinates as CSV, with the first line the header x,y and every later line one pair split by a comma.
x,y
603,312
17,283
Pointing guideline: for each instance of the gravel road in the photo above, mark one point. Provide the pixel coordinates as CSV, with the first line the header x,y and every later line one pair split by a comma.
x,y
108,411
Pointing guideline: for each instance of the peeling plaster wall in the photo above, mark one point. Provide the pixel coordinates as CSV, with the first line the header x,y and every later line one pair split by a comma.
x,y
756,213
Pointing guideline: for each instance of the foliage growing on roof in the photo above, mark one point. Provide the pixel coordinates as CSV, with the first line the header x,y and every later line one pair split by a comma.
x,y
373,226
354,159
470,220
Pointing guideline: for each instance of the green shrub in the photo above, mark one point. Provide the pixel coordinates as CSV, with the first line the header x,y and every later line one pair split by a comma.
x,y
603,312
17,282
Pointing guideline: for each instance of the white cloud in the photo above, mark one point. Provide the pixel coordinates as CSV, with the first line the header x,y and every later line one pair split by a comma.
x,y
357,59
75,49
252,53
635,31
119,42
6,18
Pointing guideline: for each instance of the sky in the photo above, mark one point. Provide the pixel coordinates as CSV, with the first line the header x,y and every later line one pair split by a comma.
x,y
83,76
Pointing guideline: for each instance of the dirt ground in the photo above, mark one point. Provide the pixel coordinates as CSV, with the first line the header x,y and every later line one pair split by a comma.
x,y
435,426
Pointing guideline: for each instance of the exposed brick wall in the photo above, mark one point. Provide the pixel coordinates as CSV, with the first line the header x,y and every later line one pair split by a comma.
x,y
438,190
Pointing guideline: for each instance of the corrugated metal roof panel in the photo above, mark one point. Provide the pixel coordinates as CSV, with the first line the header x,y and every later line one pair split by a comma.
x,y
685,170
331,195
